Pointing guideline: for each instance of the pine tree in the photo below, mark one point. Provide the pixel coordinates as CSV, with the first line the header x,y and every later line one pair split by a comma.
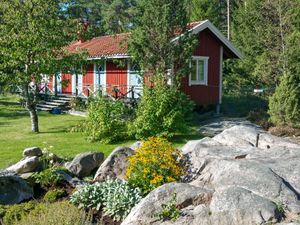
x,y
284,105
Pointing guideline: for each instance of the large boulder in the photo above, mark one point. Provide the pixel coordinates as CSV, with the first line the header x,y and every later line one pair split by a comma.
x,y
83,164
252,176
26,165
186,195
32,151
115,165
13,189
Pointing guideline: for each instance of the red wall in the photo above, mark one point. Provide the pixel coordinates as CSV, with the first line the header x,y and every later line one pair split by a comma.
x,y
116,76
201,94
67,89
88,78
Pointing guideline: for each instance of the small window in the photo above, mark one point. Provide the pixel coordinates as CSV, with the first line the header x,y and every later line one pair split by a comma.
x,y
199,70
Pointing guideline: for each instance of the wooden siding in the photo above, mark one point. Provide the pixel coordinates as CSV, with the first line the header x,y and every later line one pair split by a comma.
x,y
202,94
116,76
88,78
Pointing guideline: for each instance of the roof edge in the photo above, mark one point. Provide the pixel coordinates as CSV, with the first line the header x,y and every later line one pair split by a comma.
x,y
207,24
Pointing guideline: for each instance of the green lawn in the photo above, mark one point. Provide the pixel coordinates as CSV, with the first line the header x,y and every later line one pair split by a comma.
x,y
15,134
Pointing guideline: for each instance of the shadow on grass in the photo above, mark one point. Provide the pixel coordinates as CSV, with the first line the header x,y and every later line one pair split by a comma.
x,y
182,139
241,105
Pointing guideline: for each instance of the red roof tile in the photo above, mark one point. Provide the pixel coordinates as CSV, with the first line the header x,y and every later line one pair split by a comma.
x,y
109,46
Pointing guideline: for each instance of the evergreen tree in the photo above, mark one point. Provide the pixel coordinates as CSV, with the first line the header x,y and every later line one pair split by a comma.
x,y
213,10
118,15
284,105
260,29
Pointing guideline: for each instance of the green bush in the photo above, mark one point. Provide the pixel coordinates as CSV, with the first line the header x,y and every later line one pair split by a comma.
x,y
155,163
48,177
284,105
163,111
15,213
62,213
106,120
115,197
53,195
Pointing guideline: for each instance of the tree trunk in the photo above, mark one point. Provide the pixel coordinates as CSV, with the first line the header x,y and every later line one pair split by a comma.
x,y
31,107
34,120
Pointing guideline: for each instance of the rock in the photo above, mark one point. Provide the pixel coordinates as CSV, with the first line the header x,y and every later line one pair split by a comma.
x,y
26,165
248,173
73,181
144,212
136,145
243,206
32,151
26,176
13,189
83,164
115,165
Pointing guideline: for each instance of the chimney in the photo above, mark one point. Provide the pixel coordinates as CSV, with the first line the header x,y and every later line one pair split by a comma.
x,y
83,28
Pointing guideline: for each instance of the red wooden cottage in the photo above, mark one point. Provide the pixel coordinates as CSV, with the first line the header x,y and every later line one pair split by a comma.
x,y
203,84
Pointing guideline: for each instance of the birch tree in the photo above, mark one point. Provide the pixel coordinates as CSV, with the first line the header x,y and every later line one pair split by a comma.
x,y
33,34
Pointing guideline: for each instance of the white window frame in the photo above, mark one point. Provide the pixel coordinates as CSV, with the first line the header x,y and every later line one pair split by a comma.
x,y
199,82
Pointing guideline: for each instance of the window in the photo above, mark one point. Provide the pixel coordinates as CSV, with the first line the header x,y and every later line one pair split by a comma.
x,y
199,70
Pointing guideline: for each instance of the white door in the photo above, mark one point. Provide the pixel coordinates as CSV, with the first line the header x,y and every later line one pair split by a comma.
x,y
100,77
135,81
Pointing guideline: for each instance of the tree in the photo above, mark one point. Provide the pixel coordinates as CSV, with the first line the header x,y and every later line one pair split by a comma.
x,y
86,11
33,39
285,103
211,10
260,29
118,15
152,43
163,108
102,16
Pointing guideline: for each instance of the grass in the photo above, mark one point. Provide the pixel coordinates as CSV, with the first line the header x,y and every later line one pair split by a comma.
x,y
15,133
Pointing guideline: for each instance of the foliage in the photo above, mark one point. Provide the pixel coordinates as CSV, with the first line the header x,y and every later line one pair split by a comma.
x,y
102,16
33,39
48,177
155,163
54,194
163,111
263,30
115,197
106,120
211,10
14,213
285,103
62,213
77,104
157,24
169,210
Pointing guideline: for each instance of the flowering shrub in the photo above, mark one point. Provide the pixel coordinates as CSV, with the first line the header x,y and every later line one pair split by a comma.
x,y
115,197
155,163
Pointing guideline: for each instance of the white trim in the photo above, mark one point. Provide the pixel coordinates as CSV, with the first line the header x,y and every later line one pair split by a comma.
x,y
128,77
110,57
73,83
221,75
205,73
207,24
